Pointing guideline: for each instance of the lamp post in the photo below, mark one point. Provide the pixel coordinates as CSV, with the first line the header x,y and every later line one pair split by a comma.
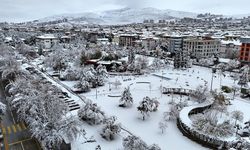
x,y
213,71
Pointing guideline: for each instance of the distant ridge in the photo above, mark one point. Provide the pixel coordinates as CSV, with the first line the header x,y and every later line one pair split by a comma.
x,y
120,16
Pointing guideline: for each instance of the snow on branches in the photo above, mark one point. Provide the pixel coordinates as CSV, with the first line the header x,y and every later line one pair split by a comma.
x,y
91,113
208,123
126,99
132,142
110,129
147,105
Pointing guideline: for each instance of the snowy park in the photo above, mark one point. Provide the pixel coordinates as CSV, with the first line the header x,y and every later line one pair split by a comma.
x,y
151,104
108,96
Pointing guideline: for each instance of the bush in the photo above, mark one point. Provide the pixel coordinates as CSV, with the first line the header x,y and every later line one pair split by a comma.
x,y
226,89
91,113
111,129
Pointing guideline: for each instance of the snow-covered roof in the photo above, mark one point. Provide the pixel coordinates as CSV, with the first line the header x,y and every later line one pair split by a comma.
x,y
8,39
235,42
108,62
224,60
47,36
65,37
132,35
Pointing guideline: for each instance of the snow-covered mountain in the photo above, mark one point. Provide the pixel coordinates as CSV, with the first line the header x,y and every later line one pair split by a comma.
x,y
120,16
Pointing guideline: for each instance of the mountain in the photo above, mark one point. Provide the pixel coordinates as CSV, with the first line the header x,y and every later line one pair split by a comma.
x,y
120,16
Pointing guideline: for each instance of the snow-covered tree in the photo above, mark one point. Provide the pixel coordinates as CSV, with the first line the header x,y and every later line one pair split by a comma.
x,y
144,108
154,147
147,105
83,85
243,81
2,110
172,114
163,126
57,59
70,75
90,76
11,69
232,64
110,129
91,113
143,61
138,68
134,143
237,116
131,67
240,144
39,104
126,99
157,64
26,50
101,74
131,56
209,124
201,93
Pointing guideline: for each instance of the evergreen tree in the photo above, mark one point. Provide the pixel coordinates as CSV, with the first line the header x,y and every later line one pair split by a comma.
x,y
126,99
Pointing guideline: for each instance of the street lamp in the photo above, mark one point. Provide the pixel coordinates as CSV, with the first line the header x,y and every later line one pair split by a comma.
x,y
213,71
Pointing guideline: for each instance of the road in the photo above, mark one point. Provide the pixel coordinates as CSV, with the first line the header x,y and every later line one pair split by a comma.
x,y
16,134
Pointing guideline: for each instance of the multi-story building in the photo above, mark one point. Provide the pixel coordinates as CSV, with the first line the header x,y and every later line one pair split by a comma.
x,y
175,43
181,59
245,50
128,39
201,47
150,43
46,41
229,49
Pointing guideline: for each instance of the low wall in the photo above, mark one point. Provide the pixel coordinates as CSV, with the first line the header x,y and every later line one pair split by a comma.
x,y
185,126
180,91
204,140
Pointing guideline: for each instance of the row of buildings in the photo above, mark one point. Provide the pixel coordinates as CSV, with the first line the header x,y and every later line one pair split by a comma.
x,y
195,46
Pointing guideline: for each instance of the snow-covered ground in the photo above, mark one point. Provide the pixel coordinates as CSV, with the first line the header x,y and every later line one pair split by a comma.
x,y
131,119
150,85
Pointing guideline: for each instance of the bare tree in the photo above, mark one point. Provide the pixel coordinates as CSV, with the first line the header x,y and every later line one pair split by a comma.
x,y
237,116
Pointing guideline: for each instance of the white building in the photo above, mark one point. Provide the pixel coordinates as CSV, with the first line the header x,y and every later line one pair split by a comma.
x,y
46,41
150,43
229,49
201,47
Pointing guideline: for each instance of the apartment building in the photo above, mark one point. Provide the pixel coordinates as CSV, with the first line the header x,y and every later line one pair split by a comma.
x,y
175,43
244,56
128,39
201,47
150,43
46,41
229,49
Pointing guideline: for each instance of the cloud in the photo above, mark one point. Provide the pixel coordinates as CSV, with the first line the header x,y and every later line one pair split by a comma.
x,y
23,10
134,3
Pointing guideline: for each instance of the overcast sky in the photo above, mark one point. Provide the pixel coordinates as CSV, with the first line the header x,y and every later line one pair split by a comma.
x,y
24,10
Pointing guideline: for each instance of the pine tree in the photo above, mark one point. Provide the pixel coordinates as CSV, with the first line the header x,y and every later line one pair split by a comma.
x,y
126,99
